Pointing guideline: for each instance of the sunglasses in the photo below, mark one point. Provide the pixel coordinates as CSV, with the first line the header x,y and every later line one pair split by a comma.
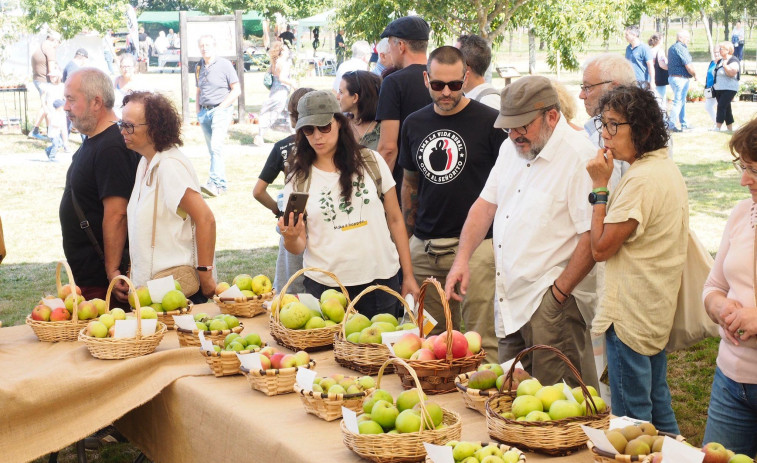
x,y
127,126
438,85
357,80
309,130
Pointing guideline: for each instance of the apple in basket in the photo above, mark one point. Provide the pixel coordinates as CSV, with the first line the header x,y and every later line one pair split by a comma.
x,y
100,305
87,311
97,329
60,314
69,301
65,290
474,341
288,361
294,315
423,354
41,313
221,287
261,284
243,282
144,297
276,359
329,293
459,345
407,345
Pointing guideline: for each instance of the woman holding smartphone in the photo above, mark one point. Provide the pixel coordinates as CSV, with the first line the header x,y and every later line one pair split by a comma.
x,y
353,226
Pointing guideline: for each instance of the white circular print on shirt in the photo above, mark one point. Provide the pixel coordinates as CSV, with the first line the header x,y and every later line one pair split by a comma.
x,y
441,156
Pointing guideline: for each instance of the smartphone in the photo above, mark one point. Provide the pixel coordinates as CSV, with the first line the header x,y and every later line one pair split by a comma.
x,y
296,204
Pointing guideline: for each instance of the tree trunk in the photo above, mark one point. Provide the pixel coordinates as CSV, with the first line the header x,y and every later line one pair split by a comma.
x,y
726,20
541,45
510,43
708,31
558,63
531,52
667,27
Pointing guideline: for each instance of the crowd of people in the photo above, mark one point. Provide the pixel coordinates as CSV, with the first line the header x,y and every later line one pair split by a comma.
x,y
430,171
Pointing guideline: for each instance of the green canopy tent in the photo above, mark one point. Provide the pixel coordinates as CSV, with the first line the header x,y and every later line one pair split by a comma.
x,y
155,21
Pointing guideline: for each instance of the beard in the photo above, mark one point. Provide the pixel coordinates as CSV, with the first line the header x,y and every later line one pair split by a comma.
x,y
85,124
534,147
448,103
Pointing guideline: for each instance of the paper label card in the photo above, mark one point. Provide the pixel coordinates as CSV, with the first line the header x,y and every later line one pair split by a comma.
x,y
439,453
250,361
185,322
233,292
391,349
568,392
506,365
623,421
350,420
125,328
429,323
390,337
158,288
598,438
149,326
678,452
205,344
310,301
54,303
305,378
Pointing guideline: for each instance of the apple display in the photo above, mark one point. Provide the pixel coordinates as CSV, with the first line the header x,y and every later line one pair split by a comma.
x,y
407,345
408,421
261,284
329,293
333,309
41,313
459,345
474,341
407,399
60,314
243,282
294,315
525,404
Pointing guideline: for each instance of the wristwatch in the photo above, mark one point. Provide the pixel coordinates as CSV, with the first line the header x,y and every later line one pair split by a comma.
x,y
597,198
205,268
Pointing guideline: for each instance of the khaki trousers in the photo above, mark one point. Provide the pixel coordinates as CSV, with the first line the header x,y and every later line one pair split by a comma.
x,y
477,308
559,326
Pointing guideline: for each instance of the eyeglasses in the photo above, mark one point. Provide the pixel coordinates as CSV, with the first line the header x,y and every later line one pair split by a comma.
x,y
357,79
741,167
587,88
612,127
309,130
438,85
523,130
127,126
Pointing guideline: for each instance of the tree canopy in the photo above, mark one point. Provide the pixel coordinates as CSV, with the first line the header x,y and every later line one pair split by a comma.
x,y
70,17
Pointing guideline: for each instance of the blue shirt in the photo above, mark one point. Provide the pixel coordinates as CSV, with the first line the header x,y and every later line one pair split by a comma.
x,y
639,57
678,58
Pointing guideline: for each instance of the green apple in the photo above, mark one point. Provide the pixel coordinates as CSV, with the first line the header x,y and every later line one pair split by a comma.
x,y
276,305
248,293
366,382
511,456
375,396
495,367
302,358
336,389
294,315
491,449
221,287
538,416
407,399
144,297
87,311
173,300
243,282
579,396
741,458
385,317
107,319
549,394
491,459
317,388
364,417
315,323
469,460
528,387
354,337
434,411
326,383
384,327
329,293
218,325
598,402
525,404
370,335
354,389
118,314
407,326
253,338
482,379
201,316
332,308
235,346
408,421
202,326
369,427
147,313
261,284
356,323
97,329
100,305
217,348
69,302
231,320
229,338
384,413
157,306
328,323
463,450
562,409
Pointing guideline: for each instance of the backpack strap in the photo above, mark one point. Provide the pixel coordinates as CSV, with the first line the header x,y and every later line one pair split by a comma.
x,y
371,165
301,185
486,92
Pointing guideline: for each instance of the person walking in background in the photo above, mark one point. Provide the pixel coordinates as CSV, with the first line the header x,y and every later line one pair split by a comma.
x,y
43,61
680,70
358,97
109,51
384,61
55,91
80,60
126,82
276,103
166,193
737,39
161,43
361,53
660,68
171,37
726,84
217,91
339,48
287,36
640,56
710,101
729,300
478,57
57,129
278,161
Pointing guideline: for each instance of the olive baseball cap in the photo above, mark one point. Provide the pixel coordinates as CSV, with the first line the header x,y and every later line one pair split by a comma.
x,y
316,108
408,28
523,100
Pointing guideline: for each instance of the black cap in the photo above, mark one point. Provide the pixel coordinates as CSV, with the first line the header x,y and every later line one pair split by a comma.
x,y
408,28
82,52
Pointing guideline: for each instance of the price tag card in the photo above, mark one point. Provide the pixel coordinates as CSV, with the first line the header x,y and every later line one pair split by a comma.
x,y
305,377
598,438
389,346
439,453
350,420
158,288
678,452
125,328
205,344
568,392
232,292
390,337
185,322
310,301
429,322
54,303
506,365
250,361
623,421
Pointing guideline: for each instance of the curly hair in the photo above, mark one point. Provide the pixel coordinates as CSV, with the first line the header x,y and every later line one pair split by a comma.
x,y
743,143
366,85
640,108
162,119
347,159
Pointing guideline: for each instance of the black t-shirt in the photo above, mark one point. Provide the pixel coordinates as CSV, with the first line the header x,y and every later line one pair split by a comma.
x,y
454,155
287,37
402,93
276,159
100,168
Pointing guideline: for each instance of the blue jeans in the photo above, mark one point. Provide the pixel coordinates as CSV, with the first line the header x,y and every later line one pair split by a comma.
x,y
680,87
215,125
732,416
638,384
56,144
662,90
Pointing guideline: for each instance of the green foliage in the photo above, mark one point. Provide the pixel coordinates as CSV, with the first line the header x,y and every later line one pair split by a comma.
x,y
69,17
366,19
267,8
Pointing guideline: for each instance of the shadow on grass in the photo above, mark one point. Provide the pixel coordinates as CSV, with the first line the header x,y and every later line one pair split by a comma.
x,y
712,184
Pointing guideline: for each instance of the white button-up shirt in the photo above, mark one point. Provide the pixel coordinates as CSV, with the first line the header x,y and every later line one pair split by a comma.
x,y
542,209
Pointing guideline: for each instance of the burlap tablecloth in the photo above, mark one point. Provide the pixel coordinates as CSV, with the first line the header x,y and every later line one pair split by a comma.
x,y
54,394
207,419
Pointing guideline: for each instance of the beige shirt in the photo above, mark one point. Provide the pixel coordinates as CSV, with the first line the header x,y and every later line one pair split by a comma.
x,y
643,278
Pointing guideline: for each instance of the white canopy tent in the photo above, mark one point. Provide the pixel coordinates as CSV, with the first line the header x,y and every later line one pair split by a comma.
x,y
322,20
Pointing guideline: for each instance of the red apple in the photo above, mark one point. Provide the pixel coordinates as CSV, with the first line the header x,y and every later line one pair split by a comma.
x,y
267,351
407,345
66,290
265,362
41,313
474,341
60,314
715,453
423,354
276,359
459,345
428,343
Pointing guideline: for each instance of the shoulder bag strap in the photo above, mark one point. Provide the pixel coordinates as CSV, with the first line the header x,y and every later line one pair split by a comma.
x,y
84,225
374,172
154,215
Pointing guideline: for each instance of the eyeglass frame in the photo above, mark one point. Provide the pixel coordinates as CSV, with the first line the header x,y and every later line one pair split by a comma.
x,y
587,88
599,125
433,83
525,127
127,126
741,168
321,128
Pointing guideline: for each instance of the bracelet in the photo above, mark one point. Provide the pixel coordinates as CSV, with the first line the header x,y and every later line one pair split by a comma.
x,y
554,283
207,268
601,190
599,202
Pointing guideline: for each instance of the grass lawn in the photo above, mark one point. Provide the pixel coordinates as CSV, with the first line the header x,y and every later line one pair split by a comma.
x,y
246,241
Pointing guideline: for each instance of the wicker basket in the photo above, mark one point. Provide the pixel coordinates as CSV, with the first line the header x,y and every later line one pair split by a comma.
x,y
167,317
438,376
365,358
396,448
123,348
226,362
307,340
329,406
274,381
558,437
243,306
474,398
67,330
189,338
504,448
600,456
